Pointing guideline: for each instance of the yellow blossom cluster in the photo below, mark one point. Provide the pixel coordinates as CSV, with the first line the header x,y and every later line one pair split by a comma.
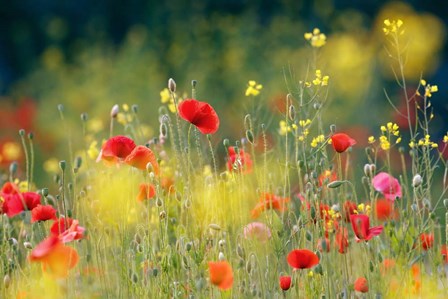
x,y
363,209
429,89
253,89
166,98
316,38
284,128
387,131
319,80
393,27
426,142
124,117
331,216
317,140
445,138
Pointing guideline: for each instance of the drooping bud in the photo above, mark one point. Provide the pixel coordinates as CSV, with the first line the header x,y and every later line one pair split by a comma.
x,y
172,85
114,111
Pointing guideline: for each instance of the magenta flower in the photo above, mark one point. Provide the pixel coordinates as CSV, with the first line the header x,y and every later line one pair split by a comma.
x,y
361,227
257,230
388,185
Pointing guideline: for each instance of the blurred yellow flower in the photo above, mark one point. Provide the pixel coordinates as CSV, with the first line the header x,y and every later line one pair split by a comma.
x,y
316,38
93,151
11,151
253,89
392,26
51,166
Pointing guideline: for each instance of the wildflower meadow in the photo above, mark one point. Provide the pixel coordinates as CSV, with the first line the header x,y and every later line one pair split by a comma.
x,y
285,204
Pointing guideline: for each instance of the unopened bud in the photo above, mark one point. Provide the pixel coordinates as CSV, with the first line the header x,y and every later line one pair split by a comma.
x,y
333,128
292,112
416,181
84,117
62,165
162,215
221,256
6,281
250,136
27,245
114,111
172,85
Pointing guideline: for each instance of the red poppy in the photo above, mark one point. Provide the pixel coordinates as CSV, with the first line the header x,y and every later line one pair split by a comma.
x,y
327,177
56,258
221,274
239,161
302,259
341,142
140,157
200,114
348,209
269,201
147,191
116,149
385,210
426,241
444,251
67,229
43,213
361,285
285,282
361,228
14,202
341,239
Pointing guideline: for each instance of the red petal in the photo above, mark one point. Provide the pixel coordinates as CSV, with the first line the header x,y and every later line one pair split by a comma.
x,y
341,142
116,148
43,213
140,157
302,259
221,274
200,114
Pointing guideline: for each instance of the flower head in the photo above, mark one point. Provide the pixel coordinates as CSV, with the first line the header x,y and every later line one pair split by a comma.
x,y
221,274
388,185
67,229
361,228
116,149
341,142
43,213
302,259
240,161
385,210
285,282
426,241
253,89
140,157
392,26
269,201
146,191
200,114
316,38
361,285
257,230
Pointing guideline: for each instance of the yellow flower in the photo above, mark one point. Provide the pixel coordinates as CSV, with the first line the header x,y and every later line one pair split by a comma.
x,y
445,138
93,151
165,96
319,139
316,38
392,26
253,89
384,143
11,151
304,123
52,166
371,139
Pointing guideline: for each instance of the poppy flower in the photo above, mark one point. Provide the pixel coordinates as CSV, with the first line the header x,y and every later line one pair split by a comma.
x,y
385,210
426,241
388,185
341,240
43,213
15,203
361,228
199,114
239,161
285,282
387,265
361,285
67,229
221,274
140,157
444,251
116,149
341,142
147,191
302,259
257,230
269,201
56,258
348,209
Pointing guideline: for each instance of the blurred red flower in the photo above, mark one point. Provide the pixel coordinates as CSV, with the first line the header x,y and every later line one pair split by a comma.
x,y
56,258
361,285
426,241
285,282
342,239
341,142
15,202
116,149
199,114
388,185
385,210
146,191
67,229
221,274
302,259
140,157
239,161
269,201
43,213
361,228
348,209
326,177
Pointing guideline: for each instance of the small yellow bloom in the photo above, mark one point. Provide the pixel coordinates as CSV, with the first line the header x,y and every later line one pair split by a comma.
x,y
445,138
253,88
93,151
165,96
316,38
51,166
371,139
11,151
392,26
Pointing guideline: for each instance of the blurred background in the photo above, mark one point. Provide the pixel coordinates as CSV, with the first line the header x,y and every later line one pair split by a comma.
x,y
90,55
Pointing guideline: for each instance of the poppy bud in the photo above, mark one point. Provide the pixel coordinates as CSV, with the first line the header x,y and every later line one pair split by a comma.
x,y
30,135
62,165
214,226
292,112
6,281
221,256
172,85
285,282
335,184
13,168
222,243
194,83
22,132
162,215
333,128
226,143
84,117
45,192
78,162
250,136
27,245
61,108
134,108
114,111
416,181
163,129
367,170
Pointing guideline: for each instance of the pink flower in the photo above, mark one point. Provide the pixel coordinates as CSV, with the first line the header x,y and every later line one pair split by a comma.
x,y
257,230
388,185
361,228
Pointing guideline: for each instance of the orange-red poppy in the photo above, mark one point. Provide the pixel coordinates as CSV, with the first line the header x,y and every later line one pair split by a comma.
x,y
341,142
15,202
326,177
269,201
116,149
146,191
348,209
361,228
200,114
361,285
285,282
221,274
341,239
140,157
67,229
302,259
56,258
426,241
43,213
385,210
240,161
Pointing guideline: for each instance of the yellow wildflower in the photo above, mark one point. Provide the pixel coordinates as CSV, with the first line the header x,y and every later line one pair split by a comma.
x,y
51,166
93,151
319,139
445,138
392,26
304,123
371,139
165,96
253,89
384,143
316,38
11,151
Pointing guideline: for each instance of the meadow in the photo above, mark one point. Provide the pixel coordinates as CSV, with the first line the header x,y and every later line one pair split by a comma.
x,y
292,208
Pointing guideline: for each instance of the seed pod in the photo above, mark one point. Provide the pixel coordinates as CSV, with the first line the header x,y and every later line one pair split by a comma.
x,y
292,112
250,136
